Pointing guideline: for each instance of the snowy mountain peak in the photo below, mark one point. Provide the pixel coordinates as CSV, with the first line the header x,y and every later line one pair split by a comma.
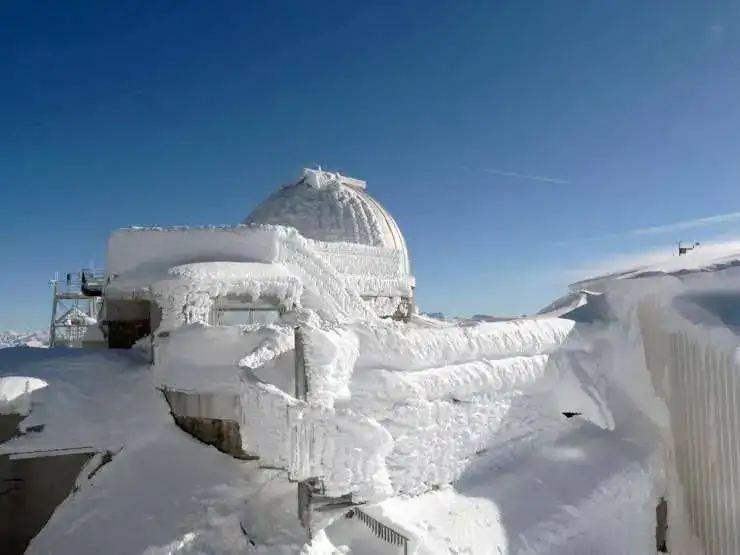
x,y
23,339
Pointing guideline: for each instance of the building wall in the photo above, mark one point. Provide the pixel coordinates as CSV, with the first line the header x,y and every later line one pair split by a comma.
x,y
32,488
124,310
132,248
341,272
694,370
127,321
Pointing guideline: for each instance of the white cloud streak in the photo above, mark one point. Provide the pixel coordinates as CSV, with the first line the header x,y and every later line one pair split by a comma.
x,y
706,221
517,175
687,224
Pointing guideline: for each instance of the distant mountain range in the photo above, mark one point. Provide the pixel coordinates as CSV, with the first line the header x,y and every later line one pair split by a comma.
x,y
475,318
23,339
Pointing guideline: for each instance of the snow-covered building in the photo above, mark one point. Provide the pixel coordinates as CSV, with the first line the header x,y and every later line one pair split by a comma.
x,y
332,208
321,245
344,431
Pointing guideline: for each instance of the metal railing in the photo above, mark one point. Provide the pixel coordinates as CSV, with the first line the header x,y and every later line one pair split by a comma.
x,y
699,380
382,531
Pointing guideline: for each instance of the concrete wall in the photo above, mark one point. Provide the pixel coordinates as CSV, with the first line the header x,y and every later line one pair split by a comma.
x,y
128,321
222,434
127,310
9,426
211,418
30,490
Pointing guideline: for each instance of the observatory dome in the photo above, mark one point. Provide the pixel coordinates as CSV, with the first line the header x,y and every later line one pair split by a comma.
x,y
327,206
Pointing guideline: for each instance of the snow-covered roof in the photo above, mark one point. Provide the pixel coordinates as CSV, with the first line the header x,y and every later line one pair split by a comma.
x,y
330,207
254,279
704,258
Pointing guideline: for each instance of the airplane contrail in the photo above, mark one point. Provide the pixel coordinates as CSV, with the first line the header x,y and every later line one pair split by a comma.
x,y
705,221
686,224
520,175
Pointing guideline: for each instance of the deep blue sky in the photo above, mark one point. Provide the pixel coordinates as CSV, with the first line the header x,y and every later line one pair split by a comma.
x,y
190,112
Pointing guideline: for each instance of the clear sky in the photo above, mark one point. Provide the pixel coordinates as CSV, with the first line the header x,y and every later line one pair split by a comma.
x,y
189,112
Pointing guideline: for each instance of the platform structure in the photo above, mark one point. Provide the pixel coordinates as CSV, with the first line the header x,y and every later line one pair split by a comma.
x,y
76,299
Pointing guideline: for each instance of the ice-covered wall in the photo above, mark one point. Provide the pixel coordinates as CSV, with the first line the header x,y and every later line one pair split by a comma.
x,y
672,341
431,399
691,355
174,264
130,248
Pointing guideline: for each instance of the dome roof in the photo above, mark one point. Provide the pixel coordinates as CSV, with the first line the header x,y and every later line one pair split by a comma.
x,y
330,207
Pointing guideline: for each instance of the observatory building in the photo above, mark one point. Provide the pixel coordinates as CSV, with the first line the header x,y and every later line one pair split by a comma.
x,y
333,208
321,245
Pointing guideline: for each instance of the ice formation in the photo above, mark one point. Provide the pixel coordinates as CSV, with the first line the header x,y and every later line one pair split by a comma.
x,y
259,262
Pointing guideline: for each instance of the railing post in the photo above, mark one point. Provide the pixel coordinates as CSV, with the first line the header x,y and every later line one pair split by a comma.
x,y
301,382
301,393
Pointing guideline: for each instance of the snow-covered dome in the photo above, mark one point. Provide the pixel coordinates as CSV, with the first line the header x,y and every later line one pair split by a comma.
x,y
327,206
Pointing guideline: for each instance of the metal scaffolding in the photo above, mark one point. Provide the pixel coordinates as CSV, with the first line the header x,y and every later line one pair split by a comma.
x,y
76,301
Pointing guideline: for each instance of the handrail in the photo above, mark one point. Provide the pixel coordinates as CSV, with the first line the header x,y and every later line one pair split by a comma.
x,y
381,530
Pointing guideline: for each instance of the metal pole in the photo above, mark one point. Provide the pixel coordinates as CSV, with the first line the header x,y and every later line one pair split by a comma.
x,y
52,327
301,392
301,383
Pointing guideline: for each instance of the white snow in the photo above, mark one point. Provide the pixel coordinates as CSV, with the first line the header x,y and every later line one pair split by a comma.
x,y
439,396
704,259
15,392
393,412
657,304
330,357
164,494
587,491
394,346
79,398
